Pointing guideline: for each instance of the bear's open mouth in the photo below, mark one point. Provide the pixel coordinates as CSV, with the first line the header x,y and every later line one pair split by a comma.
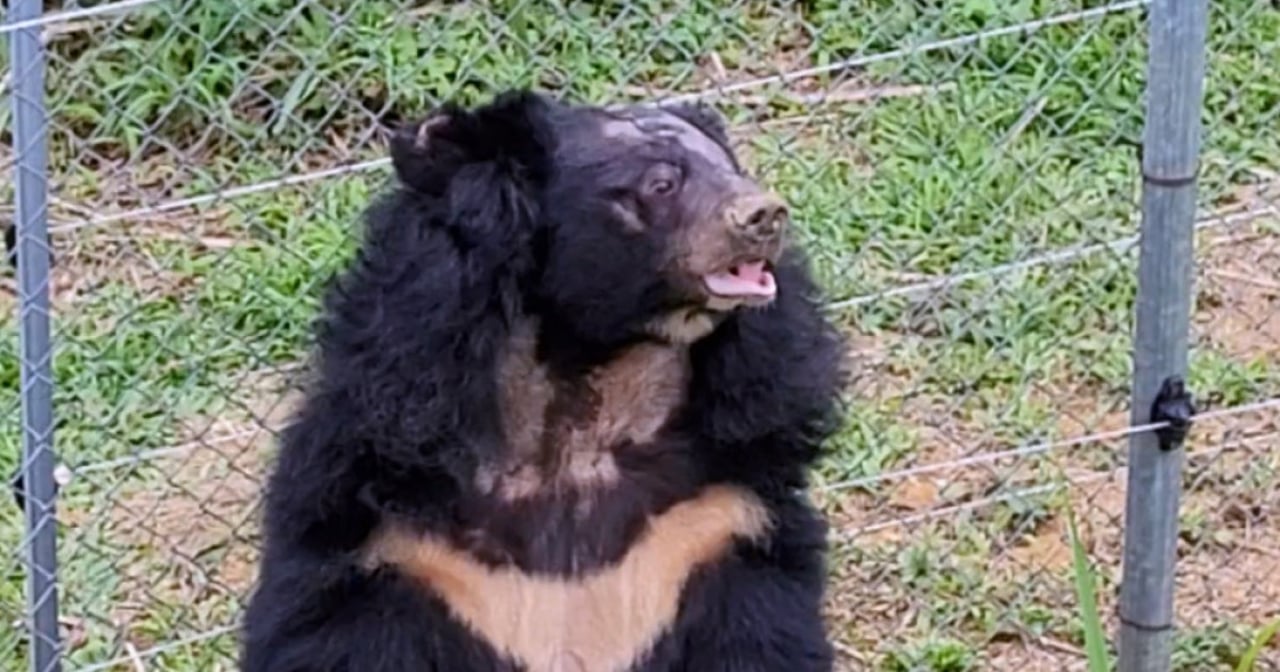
x,y
751,279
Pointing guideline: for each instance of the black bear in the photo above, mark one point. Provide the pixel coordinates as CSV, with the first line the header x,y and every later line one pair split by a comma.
x,y
566,398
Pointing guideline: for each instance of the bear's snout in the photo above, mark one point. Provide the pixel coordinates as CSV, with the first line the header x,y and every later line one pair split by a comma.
x,y
759,218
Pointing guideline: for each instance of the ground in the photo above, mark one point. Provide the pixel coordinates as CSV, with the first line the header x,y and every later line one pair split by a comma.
x,y
182,330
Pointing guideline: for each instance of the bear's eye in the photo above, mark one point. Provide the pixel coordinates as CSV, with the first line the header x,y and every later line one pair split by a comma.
x,y
662,180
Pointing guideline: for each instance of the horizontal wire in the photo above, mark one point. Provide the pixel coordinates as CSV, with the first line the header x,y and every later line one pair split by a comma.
x,y
1025,27
169,451
1237,410
1029,26
159,649
75,15
1034,449
227,194
962,40
1219,449
1057,256
845,535
1042,447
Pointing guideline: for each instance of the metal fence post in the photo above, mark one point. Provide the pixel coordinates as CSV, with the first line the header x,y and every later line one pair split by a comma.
x,y
31,180
1170,161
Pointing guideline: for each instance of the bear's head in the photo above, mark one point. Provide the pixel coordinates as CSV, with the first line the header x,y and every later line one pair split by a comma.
x,y
630,222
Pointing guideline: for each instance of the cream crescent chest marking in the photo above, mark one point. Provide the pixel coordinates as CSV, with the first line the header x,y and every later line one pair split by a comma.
x,y
600,622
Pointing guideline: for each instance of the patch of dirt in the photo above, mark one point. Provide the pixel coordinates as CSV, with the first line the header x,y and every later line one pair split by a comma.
x,y
1229,552
1238,300
1082,409
188,522
1031,656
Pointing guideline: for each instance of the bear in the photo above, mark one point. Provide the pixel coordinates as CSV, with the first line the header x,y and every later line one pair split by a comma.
x,y
565,401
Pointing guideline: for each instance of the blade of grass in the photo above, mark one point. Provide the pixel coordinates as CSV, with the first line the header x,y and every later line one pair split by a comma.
x,y
1260,642
1095,642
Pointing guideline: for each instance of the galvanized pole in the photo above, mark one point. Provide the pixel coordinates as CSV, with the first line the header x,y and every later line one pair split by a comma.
x,y
31,180
1170,162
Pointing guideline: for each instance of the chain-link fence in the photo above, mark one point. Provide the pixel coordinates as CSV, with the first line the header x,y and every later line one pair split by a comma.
x,y
966,175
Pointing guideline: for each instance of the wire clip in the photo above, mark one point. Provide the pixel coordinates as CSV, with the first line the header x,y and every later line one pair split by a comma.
x,y
1175,406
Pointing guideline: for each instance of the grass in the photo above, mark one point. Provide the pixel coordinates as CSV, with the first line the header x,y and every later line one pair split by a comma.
x,y
1260,641
183,326
1086,590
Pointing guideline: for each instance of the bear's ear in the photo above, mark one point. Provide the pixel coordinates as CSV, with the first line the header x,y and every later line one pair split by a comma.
x,y
704,118
512,131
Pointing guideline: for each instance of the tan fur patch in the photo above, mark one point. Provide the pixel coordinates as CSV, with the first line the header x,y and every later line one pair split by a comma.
x,y
561,433
602,621
638,392
524,391
683,327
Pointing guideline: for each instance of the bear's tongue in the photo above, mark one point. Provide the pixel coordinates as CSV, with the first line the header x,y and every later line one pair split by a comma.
x,y
746,279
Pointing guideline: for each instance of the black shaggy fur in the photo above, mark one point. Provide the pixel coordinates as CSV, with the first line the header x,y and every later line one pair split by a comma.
x,y
494,220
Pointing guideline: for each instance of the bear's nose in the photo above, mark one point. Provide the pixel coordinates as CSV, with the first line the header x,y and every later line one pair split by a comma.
x,y
759,217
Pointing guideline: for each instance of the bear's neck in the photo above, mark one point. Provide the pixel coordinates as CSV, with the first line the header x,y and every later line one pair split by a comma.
x,y
566,421
589,454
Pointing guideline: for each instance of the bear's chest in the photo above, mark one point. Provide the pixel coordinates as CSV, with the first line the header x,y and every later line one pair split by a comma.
x,y
587,458
570,430
571,527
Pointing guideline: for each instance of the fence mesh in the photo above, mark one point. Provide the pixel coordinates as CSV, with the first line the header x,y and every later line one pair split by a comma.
x,y
963,173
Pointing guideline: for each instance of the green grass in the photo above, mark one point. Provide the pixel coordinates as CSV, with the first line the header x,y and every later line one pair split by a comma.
x,y
1087,592
1260,642
194,95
